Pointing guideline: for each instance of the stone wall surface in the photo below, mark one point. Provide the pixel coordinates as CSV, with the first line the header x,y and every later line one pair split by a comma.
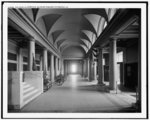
x,y
34,78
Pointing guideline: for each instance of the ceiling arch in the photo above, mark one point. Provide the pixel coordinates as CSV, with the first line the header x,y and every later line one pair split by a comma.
x,y
83,43
42,12
67,27
88,44
66,44
100,12
87,25
56,34
94,20
85,49
60,42
49,20
84,36
35,11
74,51
89,34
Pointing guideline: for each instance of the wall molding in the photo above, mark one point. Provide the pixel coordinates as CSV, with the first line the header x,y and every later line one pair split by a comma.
x,y
24,23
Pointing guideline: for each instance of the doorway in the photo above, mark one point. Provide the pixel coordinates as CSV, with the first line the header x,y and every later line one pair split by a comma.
x,y
73,67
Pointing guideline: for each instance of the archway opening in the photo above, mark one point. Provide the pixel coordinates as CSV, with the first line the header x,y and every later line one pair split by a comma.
x,y
73,68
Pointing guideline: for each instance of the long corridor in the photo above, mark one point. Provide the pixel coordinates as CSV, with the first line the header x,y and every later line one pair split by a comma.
x,y
79,95
99,48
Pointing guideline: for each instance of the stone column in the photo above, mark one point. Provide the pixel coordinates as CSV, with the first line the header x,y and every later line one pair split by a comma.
x,y
84,68
31,54
139,99
56,66
41,63
20,60
88,67
100,67
52,67
65,67
124,62
45,60
95,70
91,70
62,65
59,65
112,64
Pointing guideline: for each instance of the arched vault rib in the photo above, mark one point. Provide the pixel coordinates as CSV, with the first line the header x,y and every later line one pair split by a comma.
x,y
85,49
41,25
49,20
94,20
84,36
100,12
89,34
88,44
43,12
63,45
86,25
63,42
70,36
66,46
60,42
35,12
66,42
70,19
56,34
68,27
83,43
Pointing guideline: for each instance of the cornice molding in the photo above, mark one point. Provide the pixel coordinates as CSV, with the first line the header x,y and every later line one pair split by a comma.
x,y
72,58
20,19
119,22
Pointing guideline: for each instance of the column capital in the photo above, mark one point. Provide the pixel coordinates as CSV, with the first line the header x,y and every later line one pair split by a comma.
x,y
100,48
31,38
44,49
114,38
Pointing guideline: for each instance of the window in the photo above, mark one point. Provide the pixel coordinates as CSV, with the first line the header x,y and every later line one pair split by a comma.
x,y
12,61
38,65
25,59
12,56
25,63
12,67
25,67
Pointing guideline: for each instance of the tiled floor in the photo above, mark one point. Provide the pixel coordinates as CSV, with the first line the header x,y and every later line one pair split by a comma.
x,y
79,95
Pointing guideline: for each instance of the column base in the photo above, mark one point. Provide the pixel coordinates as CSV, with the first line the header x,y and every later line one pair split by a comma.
x,y
114,91
137,106
101,84
14,108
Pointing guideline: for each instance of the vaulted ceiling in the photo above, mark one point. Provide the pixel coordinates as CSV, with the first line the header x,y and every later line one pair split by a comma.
x,y
70,27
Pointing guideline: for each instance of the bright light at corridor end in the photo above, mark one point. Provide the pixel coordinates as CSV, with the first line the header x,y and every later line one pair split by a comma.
x,y
74,68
